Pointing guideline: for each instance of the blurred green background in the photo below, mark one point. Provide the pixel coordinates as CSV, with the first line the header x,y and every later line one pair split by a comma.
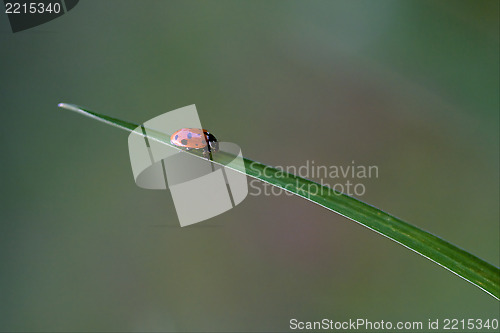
x,y
409,86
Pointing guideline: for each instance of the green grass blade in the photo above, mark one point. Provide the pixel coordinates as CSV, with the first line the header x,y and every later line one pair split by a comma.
x,y
449,256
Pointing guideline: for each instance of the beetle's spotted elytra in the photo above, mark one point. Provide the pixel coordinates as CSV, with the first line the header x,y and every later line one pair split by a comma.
x,y
195,138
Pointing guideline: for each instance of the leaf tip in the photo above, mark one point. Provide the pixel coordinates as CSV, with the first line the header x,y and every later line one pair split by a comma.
x,y
70,107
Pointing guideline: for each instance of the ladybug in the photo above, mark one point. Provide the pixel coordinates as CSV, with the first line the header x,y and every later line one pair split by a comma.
x,y
195,138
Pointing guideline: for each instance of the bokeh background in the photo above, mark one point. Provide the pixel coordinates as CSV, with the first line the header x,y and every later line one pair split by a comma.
x,y
409,86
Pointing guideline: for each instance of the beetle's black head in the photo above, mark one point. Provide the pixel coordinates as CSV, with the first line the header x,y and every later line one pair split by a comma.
x,y
212,142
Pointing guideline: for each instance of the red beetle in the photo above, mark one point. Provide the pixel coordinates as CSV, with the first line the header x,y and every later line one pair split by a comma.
x,y
195,138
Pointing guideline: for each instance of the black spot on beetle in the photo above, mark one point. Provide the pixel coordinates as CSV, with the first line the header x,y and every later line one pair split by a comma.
x,y
176,137
196,144
184,142
190,135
